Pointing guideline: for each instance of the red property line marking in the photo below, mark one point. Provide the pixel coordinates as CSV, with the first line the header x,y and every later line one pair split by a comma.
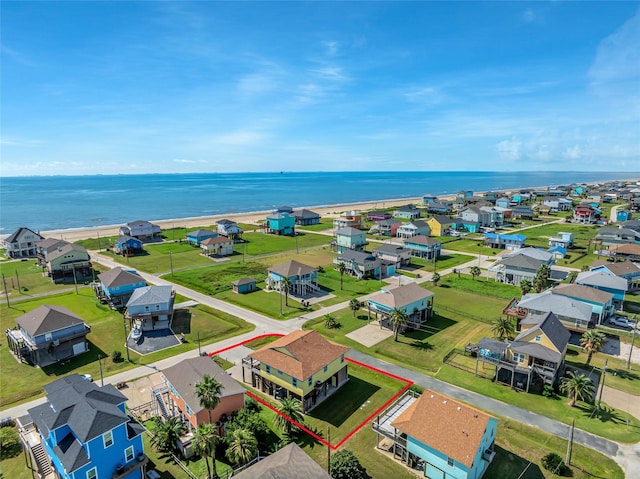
x,y
408,384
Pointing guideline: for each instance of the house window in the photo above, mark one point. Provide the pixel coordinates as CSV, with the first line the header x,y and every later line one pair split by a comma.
x,y
342,358
107,438
310,381
146,308
128,454
157,307
48,337
450,461
326,368
279,372
268,369
188,409
92,473
518,358
538,338
294,382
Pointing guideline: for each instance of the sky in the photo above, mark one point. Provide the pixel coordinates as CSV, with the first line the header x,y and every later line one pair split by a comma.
x,y
113,87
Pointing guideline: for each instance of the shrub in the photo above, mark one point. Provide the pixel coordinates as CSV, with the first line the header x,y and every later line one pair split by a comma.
x,y
116,356
548,391
553,462
345,465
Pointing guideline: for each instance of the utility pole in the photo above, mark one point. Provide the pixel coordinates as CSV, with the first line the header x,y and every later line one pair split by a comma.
x,y
567,459
199,351
634,331
6,291
100,364
328,451
171,262
18,281
75,279
604,373
126,342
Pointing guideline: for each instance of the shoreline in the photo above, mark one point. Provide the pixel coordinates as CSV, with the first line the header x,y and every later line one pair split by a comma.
x,y
254,217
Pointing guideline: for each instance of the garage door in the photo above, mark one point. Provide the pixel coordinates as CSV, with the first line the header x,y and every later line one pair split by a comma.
x,y
79,348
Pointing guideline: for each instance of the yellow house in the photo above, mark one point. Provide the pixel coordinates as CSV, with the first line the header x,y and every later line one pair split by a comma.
x,y
439,225
302,364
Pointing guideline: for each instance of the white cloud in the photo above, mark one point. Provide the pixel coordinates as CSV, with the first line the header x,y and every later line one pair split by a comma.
x,y
510,150
331,73
572,153
429,95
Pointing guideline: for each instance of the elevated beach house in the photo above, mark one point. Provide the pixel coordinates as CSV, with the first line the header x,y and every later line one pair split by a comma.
x,y
117,285
437,435
302,365
584,214
44,247
521,264
303,279
85,432
407,212
413,228
141,229
48,334
351,219
617,236
600,302
563,239
217,246
282,224
127,245
393,254
440,225
622,269
176,397
306,217
385,227
69,262
575,315
195,238
349,238
360,264
21,243
413,300
230,229
290,462
502,241
534,358
423,246
152,306
605,281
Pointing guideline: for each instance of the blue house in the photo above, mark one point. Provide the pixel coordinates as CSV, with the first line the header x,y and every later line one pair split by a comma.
x,y
117,285
198,236
86,431
444,438
423,247
47,335
303,279
502,241
360,264
601,302
503,202
628,270
128,245
280,224
415,301
152,306
603,280
350,238
623,215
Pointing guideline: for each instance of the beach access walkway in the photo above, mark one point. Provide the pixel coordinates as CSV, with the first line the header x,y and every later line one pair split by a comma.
x,y
627,456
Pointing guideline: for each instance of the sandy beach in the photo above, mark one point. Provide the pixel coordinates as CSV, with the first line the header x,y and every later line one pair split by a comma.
x,y
254,217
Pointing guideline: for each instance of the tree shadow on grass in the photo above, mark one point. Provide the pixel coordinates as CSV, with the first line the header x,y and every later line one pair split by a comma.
x,y
421,346
181,321
72,364
508,464
344,403
625,374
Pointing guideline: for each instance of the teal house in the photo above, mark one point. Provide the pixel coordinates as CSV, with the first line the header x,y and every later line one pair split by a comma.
x,y
412,299
280,224
198,236
439,436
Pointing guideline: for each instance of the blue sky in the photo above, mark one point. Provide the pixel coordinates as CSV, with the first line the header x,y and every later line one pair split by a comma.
x,y
126,87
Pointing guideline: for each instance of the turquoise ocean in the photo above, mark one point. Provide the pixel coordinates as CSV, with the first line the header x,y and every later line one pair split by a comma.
x,y
56,202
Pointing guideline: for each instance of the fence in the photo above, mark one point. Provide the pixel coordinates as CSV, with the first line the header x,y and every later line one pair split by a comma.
x,y
463,314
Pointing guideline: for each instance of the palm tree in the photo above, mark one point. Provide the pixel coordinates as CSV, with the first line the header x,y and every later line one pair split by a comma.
x,y
398,318
576,386
591,342
330,321
243,446
502,328
525,286
435,279
355,305
475,271
291,408
208,392
285,285
167,433
342,268
205,441
539,283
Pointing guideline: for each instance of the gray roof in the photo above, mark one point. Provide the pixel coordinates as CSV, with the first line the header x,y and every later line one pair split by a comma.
x,y
536,350
244,281
443,220
119,277
522,261
558,304
47,318
19,232
421,240
304,213
200,232
88,410
50,244
356,256
553,329
126,238
582,292
292,268
184,376
604,280
391,248
290,462
349,231
150,295
389,222
64,249
399,296
225,222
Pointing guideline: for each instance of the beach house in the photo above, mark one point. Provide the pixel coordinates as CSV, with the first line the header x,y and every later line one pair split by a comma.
x,y
574,314
349,238
127,245
85,431
306,217
437,435
502,241
69,262
563,239
141,229
413,228
195,238
117,285
622,269
301,365
440,207
44,247
230,229
289,462
217,246
521,264
282,224
605,281
412,299
393,254
440,225
423,247
385,227
360,264
303,279
616,236
21,243
584,214
600,302
473,214
152,306
347,219
48,334
407,212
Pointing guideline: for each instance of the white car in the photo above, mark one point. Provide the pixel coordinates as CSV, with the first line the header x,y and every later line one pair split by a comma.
x,y
621,322
87,377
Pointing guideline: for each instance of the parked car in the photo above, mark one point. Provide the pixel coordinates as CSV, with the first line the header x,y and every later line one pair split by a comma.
x,y
621,322
87,377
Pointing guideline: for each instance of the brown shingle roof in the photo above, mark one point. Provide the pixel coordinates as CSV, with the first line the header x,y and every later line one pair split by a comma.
x,y
583,292
622,268
632,249
299,354
216,240
291,268
290,462
449,426
399,296
119,277
422,240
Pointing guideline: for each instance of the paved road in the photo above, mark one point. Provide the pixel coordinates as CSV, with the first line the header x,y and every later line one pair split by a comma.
x,y
627,456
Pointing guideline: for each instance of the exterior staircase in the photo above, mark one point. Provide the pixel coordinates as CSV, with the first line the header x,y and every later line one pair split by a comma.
x,y
42,460
161,404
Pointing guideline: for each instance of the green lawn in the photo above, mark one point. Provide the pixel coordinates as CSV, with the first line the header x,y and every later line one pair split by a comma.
x,y
218,278
19,382
329,280
479,285
269,303
443,262
257,244
325,224
163,257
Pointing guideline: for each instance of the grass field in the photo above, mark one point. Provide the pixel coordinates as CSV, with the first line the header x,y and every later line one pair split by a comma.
x,y
19,382
164,257
258,244
481,286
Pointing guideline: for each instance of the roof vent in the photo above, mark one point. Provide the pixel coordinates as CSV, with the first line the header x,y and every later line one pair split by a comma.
x,y
432,396
459,408
444,402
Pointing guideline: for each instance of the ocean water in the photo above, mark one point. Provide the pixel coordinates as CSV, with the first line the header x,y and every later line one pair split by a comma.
x,y
57,202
